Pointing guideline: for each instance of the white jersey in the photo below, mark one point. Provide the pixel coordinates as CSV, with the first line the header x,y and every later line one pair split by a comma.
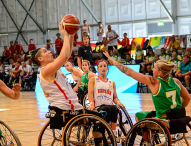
x,y
85,29
28,68
27,62
112,34
1,68
76,78
59,93
100,37
103,92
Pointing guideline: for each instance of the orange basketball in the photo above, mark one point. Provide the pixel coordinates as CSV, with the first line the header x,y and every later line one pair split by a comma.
x,y
71,22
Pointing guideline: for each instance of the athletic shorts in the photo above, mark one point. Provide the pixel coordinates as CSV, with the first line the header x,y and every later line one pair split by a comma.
x,y
142,115
99,43
111,47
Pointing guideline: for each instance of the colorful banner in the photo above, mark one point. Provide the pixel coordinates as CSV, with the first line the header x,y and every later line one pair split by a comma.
x,y
135,42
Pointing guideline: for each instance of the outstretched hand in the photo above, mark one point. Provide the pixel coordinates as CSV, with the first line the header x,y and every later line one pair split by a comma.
x,y
16,87
63,30
106,54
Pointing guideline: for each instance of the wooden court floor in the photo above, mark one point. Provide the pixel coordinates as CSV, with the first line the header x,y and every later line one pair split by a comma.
x,y
26,116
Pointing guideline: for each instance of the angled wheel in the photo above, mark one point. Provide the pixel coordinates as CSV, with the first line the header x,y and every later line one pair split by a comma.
x,y
149,132
93,131
86,102
8,136
49,136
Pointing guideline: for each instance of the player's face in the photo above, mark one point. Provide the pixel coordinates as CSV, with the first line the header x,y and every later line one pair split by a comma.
x,y
86,41
46,56
102,68
68,66
85,66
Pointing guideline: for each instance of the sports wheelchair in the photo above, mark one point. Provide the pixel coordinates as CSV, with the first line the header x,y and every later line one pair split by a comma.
x,y
161,132
8,136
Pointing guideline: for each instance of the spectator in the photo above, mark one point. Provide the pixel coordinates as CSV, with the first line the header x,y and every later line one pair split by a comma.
x,y
85,28
6,55
176,62
15,58
125,46
49,47
188,49
2,70
174,44
115,56
188,54
11,67
26,72
18,47
76,37
112,35
11,48
58,43
149,60
155,60
75,51
85,52
184,70
100,34
163,55
128,59
22,55
32,46
105,48
139,55
178,56
28,60
15,73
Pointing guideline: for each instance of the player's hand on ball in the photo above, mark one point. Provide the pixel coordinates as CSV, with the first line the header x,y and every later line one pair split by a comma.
x,y
63,30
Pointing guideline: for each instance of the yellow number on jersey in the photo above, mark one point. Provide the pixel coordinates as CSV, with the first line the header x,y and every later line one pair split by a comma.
x,y
173,94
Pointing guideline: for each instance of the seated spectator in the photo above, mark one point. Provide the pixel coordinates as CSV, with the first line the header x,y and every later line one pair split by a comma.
x,y
125,46
32,46
28,61
174,44
155,60
76,37
176,62
105,48
128,59
139,55
2,70
26,72
15,73
49,46
178,56
12,48
75,51
6,55
22,55
18,47
188,54
149,60
11,67
163,55
15,57
184,70
115,56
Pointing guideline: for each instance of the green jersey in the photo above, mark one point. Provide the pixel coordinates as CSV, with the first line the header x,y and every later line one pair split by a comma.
x,y
84,80
132,61
167,97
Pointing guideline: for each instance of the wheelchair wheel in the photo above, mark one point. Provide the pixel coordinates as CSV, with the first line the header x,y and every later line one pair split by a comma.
x,y
93,131
7,136
124,121
86,102
148,132
49,136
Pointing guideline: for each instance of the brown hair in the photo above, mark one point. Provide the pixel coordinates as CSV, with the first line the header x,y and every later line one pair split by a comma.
x,y
69,61
86,35
185,55
102,60
165,68
86,62
35,54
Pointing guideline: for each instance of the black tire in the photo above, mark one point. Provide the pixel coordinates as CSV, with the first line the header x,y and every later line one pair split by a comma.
x,y
126,124
89,124
159,132
49,136
8,136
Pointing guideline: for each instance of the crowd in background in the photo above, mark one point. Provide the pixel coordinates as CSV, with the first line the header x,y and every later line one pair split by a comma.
x,y
21,66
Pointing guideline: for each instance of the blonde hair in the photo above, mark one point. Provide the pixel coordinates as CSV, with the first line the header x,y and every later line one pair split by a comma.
x,y
86,62
138,45
174,53
165,68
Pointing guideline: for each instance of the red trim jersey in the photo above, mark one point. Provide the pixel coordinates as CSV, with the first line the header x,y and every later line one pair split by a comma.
x,y
7,53
59,93
19,47
103,92
125,42
58,44
12,48
31,47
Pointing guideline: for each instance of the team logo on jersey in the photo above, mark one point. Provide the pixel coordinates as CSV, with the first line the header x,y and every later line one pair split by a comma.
x,y
104,97
104,91
111,87
46,94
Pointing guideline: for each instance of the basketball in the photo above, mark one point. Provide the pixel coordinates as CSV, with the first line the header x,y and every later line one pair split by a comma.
x,y
71,22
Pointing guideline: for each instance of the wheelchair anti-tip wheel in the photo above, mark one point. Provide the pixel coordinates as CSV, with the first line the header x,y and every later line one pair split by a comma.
x,y
149,132
94,131
49,136
7,136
